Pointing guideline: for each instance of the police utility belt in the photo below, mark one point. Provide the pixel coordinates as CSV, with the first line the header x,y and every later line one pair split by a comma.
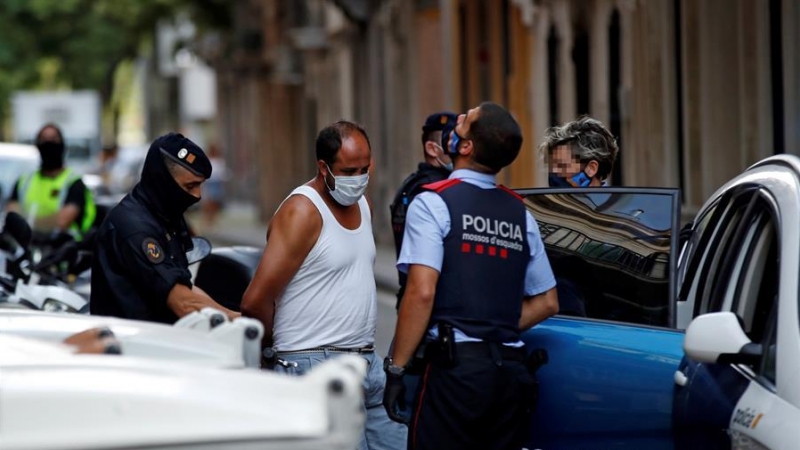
x,y
445,352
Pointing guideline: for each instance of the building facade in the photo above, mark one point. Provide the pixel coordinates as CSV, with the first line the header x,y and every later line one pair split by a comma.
x,y
695,90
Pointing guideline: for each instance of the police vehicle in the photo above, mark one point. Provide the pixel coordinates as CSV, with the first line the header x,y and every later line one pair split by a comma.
x,y
55,399
622,374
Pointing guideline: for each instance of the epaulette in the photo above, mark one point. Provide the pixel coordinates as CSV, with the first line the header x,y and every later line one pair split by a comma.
x,y
439,186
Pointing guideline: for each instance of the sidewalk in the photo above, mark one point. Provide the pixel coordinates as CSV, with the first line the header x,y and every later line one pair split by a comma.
x,y
238,224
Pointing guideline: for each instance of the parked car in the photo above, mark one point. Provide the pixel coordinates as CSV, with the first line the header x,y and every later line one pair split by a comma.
x,y
617,376
15,160
741,275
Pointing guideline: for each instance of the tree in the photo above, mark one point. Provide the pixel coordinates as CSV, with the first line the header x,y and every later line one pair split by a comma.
x,y
84,40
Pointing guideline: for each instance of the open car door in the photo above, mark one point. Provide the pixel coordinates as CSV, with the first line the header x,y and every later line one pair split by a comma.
x,y
613,349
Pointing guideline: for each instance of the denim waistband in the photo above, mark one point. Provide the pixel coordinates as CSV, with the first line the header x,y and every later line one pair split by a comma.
x,y
362,350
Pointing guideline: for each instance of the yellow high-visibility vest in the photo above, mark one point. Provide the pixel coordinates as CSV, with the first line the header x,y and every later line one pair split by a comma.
x,y
37,191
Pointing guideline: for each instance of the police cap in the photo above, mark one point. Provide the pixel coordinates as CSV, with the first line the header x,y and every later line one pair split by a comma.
x,y
185,153
439,121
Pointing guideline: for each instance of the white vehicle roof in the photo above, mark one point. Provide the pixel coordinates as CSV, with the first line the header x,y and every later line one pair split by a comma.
x,y
69,401
138,339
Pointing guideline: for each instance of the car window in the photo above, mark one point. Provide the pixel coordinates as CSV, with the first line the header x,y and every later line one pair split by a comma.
x,y
610,252
712,245
751,290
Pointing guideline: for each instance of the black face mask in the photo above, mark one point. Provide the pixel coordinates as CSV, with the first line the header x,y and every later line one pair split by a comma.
x,y
556,181
162,191
52,154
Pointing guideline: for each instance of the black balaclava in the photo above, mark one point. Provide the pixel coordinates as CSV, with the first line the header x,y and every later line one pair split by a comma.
x,y
52,154
158,189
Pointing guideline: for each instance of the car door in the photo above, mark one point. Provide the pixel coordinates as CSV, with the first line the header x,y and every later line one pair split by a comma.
x,y
613,348
739,400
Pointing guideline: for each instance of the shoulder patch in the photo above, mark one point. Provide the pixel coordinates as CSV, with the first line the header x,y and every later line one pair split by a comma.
x,y
517,196
439,186
152,250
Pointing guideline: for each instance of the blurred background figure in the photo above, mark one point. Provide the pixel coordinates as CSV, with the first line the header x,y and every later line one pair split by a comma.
x,y
53,198
214,190
108,158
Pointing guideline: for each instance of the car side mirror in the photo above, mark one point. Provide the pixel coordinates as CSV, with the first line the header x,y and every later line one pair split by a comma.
x,y
718,338
201,248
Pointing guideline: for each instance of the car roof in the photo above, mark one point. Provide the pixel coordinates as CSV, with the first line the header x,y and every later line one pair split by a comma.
x,y
23,151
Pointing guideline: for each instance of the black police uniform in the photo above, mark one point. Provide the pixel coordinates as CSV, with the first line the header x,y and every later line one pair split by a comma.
x,y
413,185
140,253
477,395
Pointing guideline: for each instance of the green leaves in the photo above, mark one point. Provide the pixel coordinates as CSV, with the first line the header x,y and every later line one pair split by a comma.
x,y
84,40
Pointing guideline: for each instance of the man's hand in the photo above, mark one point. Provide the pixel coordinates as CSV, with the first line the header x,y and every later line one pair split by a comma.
x,y
394,399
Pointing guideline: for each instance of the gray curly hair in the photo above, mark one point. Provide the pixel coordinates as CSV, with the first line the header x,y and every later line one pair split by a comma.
x,y
588,139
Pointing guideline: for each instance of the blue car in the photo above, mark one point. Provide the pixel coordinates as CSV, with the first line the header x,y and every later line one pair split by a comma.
x,y
615,346
617,376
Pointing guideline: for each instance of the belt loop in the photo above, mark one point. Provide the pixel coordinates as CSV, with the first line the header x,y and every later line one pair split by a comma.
x,y
496,356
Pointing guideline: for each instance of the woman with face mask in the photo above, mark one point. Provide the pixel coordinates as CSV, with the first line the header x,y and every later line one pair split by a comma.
x,y
314,289
53,198
580,153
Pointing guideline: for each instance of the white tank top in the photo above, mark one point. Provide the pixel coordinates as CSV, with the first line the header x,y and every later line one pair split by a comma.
x,y
332,300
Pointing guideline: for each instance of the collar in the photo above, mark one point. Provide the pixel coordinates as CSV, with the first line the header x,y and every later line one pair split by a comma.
x,y
471,175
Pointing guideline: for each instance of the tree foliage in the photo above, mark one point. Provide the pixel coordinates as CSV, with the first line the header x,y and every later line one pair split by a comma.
x,y
82,42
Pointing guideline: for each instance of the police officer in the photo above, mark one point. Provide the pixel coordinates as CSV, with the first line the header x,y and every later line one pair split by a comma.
x,y
54,195
140,269
436,167
477,277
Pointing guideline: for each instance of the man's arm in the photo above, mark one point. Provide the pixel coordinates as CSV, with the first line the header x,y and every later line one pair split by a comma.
x,y
415,312
73,205
291,235
182,301
537,308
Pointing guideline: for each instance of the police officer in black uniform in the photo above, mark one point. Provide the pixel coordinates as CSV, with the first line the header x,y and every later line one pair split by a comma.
x,y
436,167
477,277
140,270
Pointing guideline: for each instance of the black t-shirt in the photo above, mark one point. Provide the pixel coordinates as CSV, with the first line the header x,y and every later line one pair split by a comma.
x,y
76,195
137,261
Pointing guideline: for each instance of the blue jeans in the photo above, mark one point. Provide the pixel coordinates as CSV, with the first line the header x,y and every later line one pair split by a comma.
x,y
381,433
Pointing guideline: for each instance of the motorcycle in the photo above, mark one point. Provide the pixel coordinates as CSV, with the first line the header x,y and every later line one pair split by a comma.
x,y
61,280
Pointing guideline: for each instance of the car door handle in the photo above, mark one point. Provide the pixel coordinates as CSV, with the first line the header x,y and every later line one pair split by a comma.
x,y
680,378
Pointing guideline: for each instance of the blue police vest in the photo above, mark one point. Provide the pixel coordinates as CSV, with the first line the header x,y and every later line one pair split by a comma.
x,y
486,254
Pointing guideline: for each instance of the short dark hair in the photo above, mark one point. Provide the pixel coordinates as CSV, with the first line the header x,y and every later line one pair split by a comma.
x,y
329,139
496,136
46,126
172,166
431,136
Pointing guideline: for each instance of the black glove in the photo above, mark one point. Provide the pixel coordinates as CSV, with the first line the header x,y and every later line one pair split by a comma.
x,y
394,399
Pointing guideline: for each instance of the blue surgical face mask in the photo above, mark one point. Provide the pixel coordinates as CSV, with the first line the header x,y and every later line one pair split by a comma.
x,y
578,180
448,166
455,139
347,190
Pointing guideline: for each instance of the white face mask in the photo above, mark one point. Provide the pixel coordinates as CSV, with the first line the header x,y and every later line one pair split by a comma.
x,y
347,190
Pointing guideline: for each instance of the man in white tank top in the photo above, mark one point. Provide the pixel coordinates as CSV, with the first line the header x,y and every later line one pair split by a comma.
x,y
314,289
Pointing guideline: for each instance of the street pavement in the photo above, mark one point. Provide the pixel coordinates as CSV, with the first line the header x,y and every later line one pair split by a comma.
x,y
238,224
